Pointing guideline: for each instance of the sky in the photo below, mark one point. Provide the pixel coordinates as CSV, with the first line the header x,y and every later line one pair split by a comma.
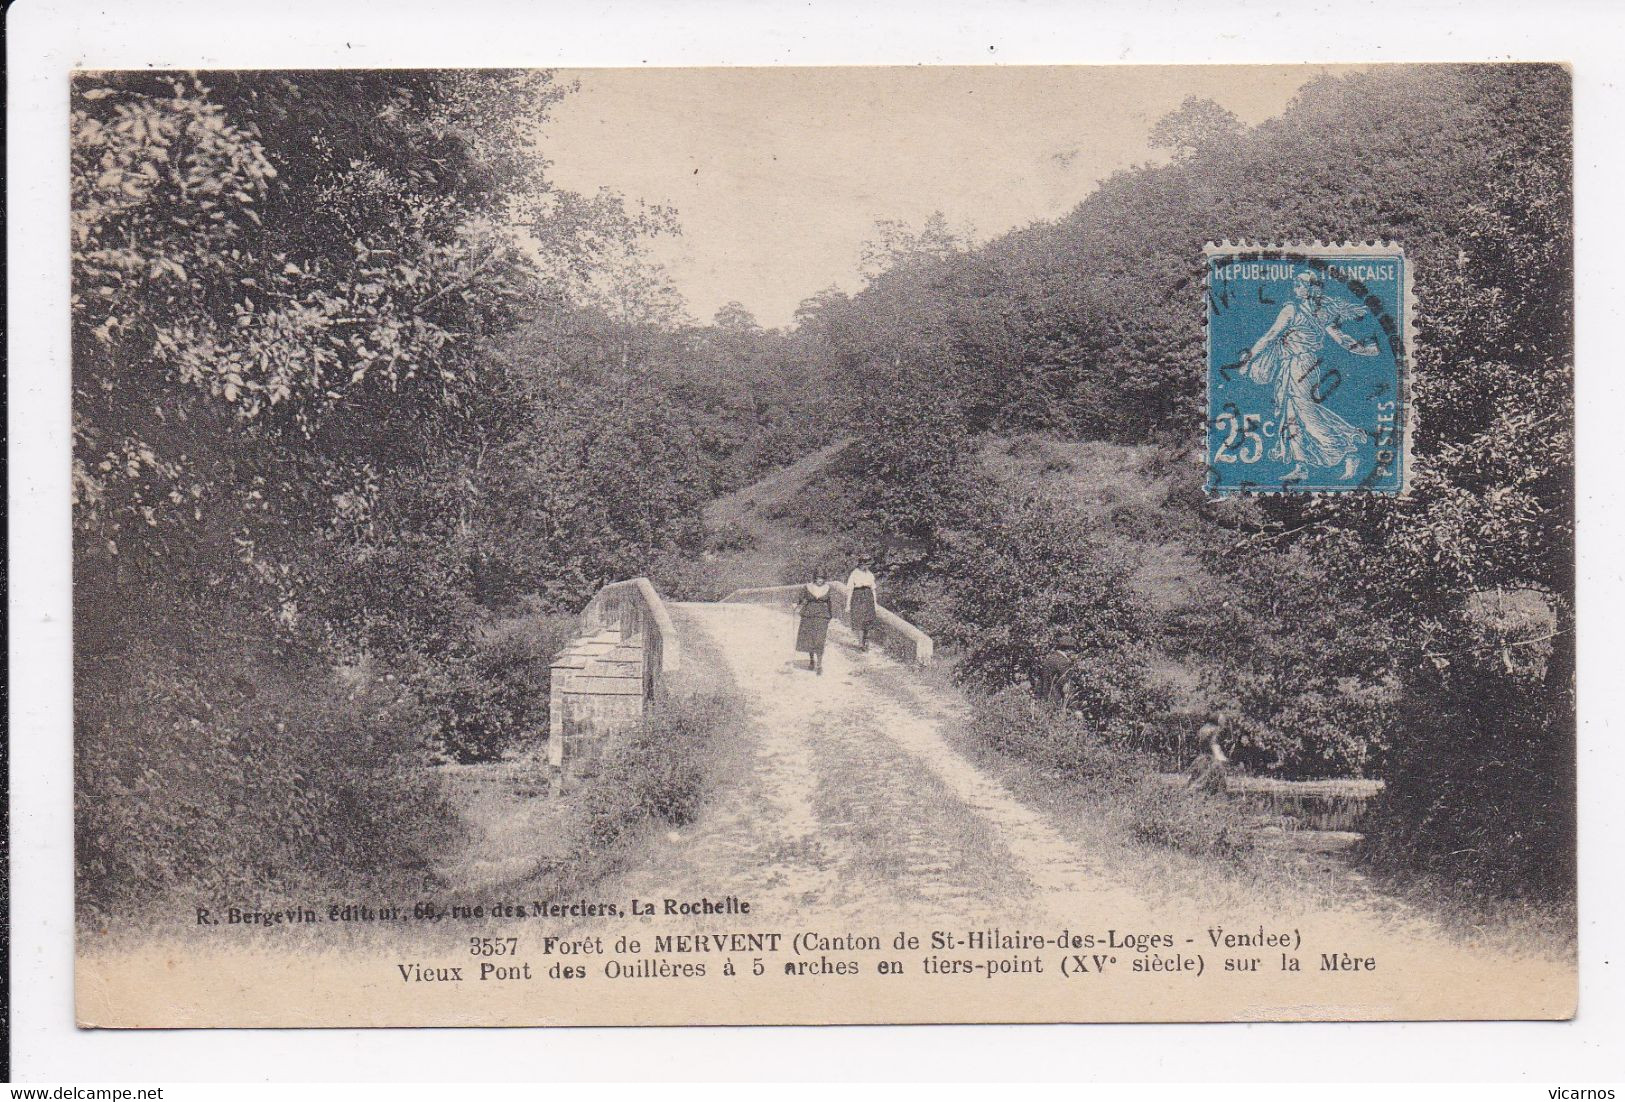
x,y
778,175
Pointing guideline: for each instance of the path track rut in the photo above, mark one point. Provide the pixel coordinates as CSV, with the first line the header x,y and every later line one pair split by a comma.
x,y
843,799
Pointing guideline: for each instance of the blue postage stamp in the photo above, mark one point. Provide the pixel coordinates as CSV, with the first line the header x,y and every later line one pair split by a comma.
x,y
1308,354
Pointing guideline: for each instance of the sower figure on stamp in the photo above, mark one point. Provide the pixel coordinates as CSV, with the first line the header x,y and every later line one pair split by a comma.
x,y
1287,356
861,606
815,609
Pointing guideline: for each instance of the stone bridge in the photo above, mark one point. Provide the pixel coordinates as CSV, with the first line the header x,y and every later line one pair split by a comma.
x,y
608,675
895,635
605,678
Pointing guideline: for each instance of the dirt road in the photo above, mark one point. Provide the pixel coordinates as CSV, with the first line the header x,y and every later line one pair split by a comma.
x,y
842,811
843,805
844,800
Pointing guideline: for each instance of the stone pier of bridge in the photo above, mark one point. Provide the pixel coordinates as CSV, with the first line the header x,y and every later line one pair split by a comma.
x,y
606,678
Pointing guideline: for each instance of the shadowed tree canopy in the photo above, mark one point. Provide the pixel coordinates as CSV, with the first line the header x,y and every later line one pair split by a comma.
x,y
1092,327
282,283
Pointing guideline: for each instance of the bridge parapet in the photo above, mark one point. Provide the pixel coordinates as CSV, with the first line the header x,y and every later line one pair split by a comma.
x,y
634,609
895,635
602,682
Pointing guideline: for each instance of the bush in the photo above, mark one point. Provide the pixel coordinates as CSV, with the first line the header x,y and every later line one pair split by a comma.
x,y
680,576
1116,694
490,692
1178,817
1013,722
1480,786
220,774
655,772
1300,670
1025,571
730,536
923,601
1121,783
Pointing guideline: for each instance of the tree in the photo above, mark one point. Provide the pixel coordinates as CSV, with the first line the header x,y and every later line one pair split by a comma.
x,y
731,315
1474,569
1199,126
1456,600
817,311
1023,573
899,247
281,286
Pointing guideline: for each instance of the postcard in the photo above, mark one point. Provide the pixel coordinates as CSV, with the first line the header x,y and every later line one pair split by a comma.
x,y
823,545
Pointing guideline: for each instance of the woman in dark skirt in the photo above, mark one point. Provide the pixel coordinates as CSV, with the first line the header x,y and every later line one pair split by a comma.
x,y
816,608
860,609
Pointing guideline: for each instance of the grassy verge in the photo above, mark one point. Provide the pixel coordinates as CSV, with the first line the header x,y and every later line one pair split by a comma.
x,y
1121,787
1172,843
654,776
1169,844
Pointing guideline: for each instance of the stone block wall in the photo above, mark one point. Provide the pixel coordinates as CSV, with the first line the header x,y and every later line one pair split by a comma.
x,y
598,687
602,681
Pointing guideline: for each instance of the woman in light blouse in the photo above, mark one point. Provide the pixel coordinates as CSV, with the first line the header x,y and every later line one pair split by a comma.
x,y
861,606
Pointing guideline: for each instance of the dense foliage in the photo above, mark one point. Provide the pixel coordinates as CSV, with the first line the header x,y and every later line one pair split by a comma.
x,y
355,379
364,404
279,285
1428,639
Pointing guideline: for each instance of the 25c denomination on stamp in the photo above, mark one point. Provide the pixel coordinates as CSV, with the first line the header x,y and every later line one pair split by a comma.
x,y
1308,357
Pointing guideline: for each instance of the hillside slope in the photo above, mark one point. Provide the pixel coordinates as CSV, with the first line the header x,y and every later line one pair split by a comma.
x,y
775,530
754,536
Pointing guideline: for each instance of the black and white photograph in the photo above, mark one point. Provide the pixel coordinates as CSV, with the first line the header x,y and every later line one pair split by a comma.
x,y
823,545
